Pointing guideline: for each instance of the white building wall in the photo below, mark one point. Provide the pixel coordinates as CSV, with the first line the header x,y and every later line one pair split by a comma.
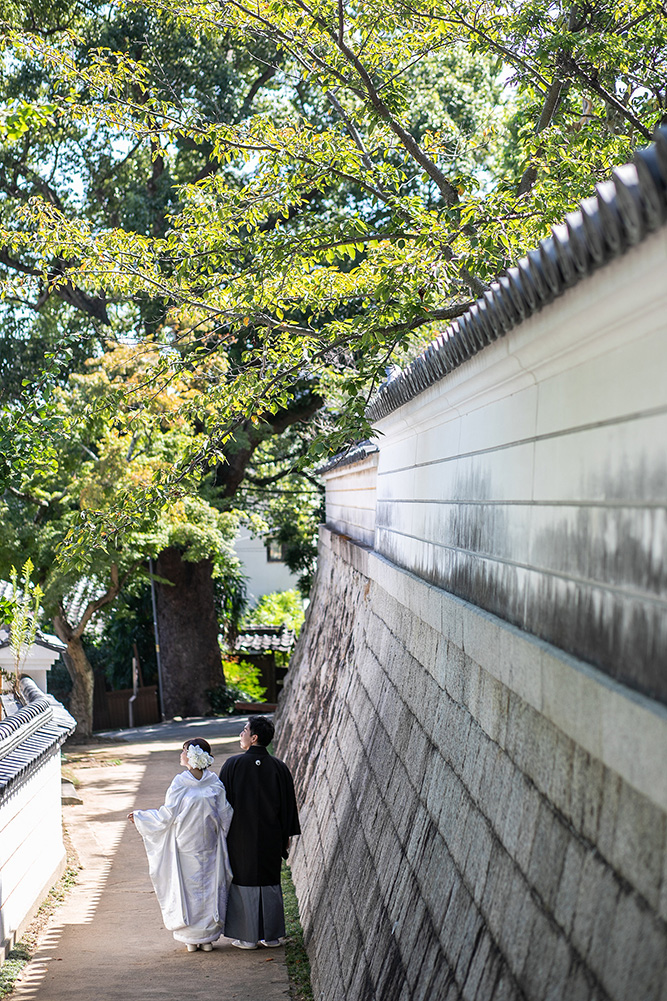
x,y
264,576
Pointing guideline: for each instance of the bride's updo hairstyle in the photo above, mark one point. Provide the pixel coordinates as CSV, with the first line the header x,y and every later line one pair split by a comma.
x,y
198,742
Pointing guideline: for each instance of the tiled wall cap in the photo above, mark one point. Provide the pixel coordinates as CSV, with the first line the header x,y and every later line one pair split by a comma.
x,y
620,214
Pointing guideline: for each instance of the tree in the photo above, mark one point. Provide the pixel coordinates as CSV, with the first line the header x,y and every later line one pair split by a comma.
x,y
372,181
98,469
260,249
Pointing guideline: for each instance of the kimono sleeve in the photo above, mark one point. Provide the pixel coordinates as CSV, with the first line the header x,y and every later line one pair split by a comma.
x,y
158,830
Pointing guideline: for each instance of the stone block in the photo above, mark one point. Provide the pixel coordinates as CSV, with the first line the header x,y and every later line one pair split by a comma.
x,y
530,809
389,974
430,968
482,954
540,953
449,815
559,790
437,879
409,931
649,962
499,789
479,857
436,787
449,668
568,887
517,925
638,849
559,972
472,766
493,707
417,753
512,813
624,933
585,793
594,875
611,794
461,929
498,890
472,680
505,988
548,855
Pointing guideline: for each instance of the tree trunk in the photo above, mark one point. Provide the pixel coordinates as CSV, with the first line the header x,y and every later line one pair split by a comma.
x,y
188,632
83,681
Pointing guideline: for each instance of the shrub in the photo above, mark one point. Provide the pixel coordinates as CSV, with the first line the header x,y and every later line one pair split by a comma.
x,y
242,686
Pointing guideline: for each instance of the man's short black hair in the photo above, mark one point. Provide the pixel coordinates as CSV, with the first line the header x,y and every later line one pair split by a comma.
x,y
264,729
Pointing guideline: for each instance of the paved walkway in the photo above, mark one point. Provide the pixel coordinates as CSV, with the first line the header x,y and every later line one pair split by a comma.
x,y
106,942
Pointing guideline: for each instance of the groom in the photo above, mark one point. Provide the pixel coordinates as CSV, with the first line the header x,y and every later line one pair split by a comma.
x,y
260,789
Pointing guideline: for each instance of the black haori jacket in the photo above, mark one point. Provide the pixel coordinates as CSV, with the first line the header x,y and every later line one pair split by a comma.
x,y
261,791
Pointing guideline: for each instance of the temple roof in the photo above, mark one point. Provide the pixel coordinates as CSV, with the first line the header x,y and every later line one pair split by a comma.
x,y
265,639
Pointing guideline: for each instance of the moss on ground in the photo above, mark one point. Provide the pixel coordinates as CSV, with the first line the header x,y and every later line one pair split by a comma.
x,y
296,957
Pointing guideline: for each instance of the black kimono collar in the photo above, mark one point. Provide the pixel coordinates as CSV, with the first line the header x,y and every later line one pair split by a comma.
x,y
258,750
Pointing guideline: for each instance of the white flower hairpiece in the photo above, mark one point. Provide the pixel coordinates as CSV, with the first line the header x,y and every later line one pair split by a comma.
x,y
197,758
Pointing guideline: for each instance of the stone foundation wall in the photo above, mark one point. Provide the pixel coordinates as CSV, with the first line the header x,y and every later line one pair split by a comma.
x,y
484,817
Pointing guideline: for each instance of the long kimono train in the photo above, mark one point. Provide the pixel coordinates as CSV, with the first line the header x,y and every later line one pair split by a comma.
x,y
186,845
261,790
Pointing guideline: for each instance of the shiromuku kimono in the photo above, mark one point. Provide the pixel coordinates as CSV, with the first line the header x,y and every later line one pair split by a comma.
x,y
186,844
261,790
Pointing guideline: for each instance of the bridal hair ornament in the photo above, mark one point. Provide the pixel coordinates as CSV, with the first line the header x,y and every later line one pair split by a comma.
x,y
197,758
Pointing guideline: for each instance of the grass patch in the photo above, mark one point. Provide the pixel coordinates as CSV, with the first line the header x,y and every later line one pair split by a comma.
x,y
296,957
12,966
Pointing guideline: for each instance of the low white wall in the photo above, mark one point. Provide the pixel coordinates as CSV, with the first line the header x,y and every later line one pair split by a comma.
x,y
351,501
32,853
531,480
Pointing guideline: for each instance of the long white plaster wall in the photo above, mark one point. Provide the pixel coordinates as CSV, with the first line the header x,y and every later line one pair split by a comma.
x,y
351,499
32,853
484,817
532,480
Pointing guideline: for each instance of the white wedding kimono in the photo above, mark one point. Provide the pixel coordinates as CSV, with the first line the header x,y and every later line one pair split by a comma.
x,y
186,844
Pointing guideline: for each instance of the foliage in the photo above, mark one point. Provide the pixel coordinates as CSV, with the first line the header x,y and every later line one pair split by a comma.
x,y
222,699
244,676
268,202
11,968
111,649
277,609
22,615
242,685
288,496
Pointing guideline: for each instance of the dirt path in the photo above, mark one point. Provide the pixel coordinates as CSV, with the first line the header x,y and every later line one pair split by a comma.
x,y
106,942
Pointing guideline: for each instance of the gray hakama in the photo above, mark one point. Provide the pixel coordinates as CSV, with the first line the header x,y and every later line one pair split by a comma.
x,y
255,913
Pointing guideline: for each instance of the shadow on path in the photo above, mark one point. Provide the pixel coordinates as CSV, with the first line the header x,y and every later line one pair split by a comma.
x,y
106,942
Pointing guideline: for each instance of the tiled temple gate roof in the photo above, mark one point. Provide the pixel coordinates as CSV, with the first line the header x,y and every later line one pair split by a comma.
x,y
622,213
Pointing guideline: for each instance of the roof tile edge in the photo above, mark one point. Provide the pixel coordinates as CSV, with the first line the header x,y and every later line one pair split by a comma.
x,y
621,214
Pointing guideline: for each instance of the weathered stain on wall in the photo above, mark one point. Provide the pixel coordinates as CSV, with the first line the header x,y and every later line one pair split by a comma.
x,y
456,842
484,803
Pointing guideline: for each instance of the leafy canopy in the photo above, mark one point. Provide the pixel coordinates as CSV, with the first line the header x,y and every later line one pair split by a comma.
x,y
387,162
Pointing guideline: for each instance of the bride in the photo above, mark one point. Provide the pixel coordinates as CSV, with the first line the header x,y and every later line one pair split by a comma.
x,y
186,845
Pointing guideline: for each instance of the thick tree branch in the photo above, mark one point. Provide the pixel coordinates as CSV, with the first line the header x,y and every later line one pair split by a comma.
x,y
230,474
592,82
